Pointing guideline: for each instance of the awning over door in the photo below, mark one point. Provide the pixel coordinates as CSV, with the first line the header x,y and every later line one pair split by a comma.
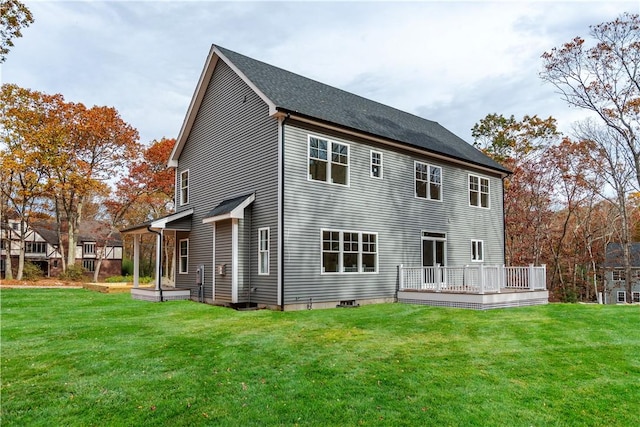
x,y
230,208
169,222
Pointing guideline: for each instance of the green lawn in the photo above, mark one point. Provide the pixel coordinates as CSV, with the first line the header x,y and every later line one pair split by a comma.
x,y
79,358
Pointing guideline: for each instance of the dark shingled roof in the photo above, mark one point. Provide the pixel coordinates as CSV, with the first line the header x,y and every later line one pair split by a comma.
x,y
614,255
296,94
226,206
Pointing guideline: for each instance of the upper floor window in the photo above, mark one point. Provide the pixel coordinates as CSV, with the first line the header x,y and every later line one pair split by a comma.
x,y
35,247
478,191
89,248
328,161
618,275
376,164
184,256
428,181
349,252
184,187
263,251
477,250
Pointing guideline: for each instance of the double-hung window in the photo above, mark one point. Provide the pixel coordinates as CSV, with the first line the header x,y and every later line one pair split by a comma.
x,y
349,252
635,296
89,248
478,191
328,161
263,251
477,250
621,296
184,256
428,181
184,187
618,275
376,164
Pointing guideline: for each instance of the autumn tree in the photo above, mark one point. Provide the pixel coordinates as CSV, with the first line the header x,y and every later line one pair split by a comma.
x,y
24,124
519,145
14,16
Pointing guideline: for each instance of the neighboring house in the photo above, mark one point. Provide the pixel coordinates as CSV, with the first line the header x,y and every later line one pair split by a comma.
x,y
615,280
95,240
293,194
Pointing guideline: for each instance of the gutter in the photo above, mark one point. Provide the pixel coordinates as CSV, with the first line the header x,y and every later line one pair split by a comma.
x,y
159,261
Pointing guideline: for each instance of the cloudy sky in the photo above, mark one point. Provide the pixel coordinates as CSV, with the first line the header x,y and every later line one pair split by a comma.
x,y
452,62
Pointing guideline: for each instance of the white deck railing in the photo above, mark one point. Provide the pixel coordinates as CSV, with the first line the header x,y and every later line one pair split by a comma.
x,y
475,279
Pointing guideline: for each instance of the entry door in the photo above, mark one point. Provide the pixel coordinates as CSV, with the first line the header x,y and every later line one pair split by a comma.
x,y
433,252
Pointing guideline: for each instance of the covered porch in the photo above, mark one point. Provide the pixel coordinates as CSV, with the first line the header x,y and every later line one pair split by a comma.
x,y
478,287
171,224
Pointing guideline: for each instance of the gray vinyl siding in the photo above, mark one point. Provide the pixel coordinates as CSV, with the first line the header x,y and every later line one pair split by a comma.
x,y
232,150
385,206
223,257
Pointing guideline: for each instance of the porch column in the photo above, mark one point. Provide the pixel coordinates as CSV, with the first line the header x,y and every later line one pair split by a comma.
x,y
158,260
136,260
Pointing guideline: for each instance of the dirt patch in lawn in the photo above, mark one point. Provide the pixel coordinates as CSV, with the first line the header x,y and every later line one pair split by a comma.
x,y
41,283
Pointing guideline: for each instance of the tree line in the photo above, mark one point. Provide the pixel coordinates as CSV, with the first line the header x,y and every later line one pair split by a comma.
x,y
567,197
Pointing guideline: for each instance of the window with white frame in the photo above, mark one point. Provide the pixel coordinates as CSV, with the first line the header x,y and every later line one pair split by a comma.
x,y
376,164
328,161
184,256
263,251
428,181
89,265
349,252
618,275
89,248
477,250
635,296
184,187
621,297
478,191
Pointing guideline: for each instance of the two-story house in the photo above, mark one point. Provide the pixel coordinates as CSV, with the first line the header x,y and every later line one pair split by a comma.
x,y
294,194
615,278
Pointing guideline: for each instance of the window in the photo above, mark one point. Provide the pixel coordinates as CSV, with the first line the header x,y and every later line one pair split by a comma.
x,y
349,252
184,256
328,161
184,187
89,249
35,247
635,296
478,191
263,251
622,296
618,275
376,164
477,250
428,181
89,265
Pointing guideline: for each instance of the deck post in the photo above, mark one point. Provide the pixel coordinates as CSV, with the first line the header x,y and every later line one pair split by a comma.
x,y
481,278
503,278
532,277
400,278
437,278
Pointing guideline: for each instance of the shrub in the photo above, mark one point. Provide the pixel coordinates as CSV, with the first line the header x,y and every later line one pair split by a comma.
x,y
127,278
74,273
127,267
31,271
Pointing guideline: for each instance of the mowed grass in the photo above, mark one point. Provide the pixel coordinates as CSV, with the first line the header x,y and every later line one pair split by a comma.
x,y
79,358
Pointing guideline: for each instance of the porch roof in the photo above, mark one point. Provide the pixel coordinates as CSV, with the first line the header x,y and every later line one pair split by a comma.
x,y
230,208
162,223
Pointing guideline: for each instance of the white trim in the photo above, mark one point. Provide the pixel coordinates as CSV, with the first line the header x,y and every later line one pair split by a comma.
x,y
330,143
433,238
234,260
182,190
213,259
280,233
180,257
268,251
480,178
624,297
341,252
381,166
429,166
237,213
